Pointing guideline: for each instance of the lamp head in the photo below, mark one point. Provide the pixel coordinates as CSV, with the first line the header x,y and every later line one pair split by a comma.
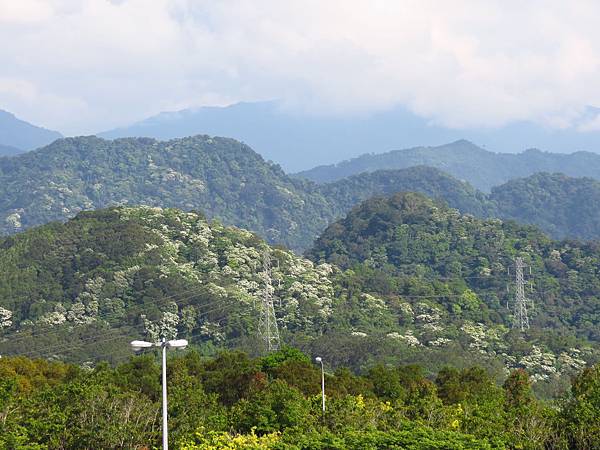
x,y
139,345
177,343
318,359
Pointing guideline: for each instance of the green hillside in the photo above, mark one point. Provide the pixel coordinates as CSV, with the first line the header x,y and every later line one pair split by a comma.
x,y
221,177
560,205
417,283
407,246
225,179
465,161
132,271
346,193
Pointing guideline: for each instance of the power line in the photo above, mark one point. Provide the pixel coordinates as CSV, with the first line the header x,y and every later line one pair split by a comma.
x,y
100,337
113,315
190,337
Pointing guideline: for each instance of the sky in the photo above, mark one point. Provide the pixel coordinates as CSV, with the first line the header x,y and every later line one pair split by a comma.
x,y
83,66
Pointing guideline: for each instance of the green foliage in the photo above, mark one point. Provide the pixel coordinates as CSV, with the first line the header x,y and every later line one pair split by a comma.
x,y
397,407
562,206
221,177
465,161
227,180
581,413
285,355
444,273
421,284
110,276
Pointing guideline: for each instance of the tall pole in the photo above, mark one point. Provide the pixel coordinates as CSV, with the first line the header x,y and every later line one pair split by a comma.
x,y
320,360
323,385
163,344
165,428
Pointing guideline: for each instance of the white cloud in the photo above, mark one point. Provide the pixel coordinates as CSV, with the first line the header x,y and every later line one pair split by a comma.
x,y
24,11
87,65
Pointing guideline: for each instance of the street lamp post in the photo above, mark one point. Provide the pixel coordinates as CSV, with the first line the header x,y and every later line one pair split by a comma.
x,y
163,344
320,360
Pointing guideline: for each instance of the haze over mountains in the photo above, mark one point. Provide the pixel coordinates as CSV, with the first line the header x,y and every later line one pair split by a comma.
x,y
299,141
18,136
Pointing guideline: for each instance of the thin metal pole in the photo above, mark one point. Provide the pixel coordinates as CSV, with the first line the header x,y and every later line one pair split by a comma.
x,y
165,428
323,385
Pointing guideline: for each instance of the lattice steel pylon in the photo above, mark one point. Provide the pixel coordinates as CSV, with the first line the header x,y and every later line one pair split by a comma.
x,y
268,331
521,315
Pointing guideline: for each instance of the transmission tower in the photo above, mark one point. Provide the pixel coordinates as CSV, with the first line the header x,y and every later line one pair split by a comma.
x,y
521,317
268,331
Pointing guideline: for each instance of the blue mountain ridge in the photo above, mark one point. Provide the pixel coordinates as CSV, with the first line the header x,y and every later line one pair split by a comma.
x,y
299,142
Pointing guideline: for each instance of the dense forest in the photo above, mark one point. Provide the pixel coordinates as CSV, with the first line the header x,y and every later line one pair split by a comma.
x,y
395,280
233,401
129,272
400,279
408,235
222,177
465,161
560,205
226,179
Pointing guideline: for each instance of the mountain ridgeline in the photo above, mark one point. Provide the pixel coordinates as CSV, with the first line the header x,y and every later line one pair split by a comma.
x,y
464,160
218,176
221,177
299,141
227,180
17,136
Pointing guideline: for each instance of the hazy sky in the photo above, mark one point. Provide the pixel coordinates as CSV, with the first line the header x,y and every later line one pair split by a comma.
x,y
82,66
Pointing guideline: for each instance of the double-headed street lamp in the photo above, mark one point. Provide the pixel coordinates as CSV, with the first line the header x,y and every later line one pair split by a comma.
x,y
164,344
320,360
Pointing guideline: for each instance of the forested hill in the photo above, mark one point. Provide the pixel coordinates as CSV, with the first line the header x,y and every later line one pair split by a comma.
x,y
107,276
465,161
221,177
562,206
424,285
411,239
228,180
348,192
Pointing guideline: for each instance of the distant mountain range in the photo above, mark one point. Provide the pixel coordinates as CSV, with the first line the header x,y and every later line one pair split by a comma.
x,y
7,150
465,161
227,180
17,136
299,142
